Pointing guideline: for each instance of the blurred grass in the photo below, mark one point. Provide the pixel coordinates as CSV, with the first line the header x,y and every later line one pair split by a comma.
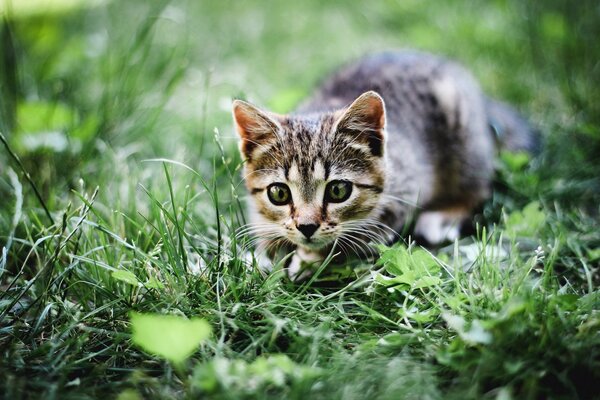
x,y
89,92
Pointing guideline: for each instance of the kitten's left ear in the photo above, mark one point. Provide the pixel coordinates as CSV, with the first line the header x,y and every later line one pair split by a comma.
x,y
364,119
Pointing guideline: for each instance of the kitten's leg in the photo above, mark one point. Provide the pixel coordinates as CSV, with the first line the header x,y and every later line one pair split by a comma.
x,y
299,267
266,254
441,226
264,263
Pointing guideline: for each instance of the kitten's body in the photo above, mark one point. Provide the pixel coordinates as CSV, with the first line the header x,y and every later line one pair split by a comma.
x,y
429,151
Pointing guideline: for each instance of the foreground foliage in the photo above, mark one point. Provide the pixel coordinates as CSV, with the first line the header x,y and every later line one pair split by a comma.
x,y
121,273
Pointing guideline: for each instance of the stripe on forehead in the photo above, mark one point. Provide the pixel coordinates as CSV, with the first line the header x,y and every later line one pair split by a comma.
x,y
270,157
319,172
304,135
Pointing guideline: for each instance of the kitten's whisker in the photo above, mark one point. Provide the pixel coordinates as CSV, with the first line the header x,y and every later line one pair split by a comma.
x,y
352,246
377,232
254,230
369,222
264,238
401,200
342,246
243,227
250,227
359,235
266,246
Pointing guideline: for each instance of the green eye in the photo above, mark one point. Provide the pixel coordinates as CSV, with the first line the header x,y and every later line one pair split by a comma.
x,y
279,194
338,191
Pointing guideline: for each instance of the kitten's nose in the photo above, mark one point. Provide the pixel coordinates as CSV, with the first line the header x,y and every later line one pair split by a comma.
x,y
308,229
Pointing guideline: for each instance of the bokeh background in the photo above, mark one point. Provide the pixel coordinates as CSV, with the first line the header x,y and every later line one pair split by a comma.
x,y
91,92
158,77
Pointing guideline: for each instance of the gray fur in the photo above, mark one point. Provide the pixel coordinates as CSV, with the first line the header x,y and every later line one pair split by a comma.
x,y
437,155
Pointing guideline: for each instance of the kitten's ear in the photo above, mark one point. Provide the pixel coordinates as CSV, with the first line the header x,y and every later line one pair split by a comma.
x,y
255,127
364,119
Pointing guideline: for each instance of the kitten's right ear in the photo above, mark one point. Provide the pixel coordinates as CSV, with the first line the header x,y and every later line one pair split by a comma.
x,y
255,127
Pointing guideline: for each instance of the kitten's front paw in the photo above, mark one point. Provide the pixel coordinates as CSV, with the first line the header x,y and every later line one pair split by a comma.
x,y
302,264
437,227
297,270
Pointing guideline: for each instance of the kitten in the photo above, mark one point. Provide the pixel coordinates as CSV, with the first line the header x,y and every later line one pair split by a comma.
x,y
392,137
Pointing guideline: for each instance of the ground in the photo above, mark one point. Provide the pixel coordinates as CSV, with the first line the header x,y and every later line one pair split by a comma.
x,y
121,274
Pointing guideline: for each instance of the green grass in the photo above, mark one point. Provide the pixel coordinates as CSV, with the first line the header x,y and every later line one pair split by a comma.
x,y
119,172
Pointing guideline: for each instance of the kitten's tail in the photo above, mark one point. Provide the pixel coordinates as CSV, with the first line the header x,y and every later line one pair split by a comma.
x,y
512,131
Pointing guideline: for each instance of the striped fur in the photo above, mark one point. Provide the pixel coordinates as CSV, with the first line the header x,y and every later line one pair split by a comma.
x,y
409,131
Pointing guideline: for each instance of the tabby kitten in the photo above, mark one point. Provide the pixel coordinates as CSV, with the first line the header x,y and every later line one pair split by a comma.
x,y
387,139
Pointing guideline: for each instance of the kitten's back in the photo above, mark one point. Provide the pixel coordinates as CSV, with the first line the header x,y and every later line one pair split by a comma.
x,y
439,146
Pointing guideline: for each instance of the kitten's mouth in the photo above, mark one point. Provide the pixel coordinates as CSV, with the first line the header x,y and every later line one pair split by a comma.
x,y
311,243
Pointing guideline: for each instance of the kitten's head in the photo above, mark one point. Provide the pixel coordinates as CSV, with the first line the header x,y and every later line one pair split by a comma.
x,y
311,176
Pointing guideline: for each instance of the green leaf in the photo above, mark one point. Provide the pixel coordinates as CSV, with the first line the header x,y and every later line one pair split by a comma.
x,y
527,222
419,316
126,276
396,339
423,261
426,281
154,283
171,337
415,268
515,161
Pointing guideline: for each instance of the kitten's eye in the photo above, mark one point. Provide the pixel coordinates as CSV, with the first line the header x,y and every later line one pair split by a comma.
x,y
338,191
279,194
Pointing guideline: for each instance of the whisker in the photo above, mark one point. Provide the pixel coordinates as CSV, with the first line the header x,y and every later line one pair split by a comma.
x,y
352,246
401,200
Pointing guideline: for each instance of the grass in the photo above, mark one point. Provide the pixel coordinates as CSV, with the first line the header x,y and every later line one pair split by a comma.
x,y
119,176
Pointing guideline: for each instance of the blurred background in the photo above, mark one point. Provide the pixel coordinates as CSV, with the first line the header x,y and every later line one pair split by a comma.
x,y
81,81
92,89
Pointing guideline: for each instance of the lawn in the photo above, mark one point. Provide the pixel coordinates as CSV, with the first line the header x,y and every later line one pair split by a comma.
x,y
121,270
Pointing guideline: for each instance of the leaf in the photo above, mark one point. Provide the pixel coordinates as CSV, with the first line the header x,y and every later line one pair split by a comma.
x,y
526,222
415,268
419,316
388,281
396,339
126,276
426,281
154,283
171,337
423,261
515,161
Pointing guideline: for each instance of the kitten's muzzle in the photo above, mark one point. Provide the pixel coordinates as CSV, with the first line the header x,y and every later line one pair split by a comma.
x,y
307,229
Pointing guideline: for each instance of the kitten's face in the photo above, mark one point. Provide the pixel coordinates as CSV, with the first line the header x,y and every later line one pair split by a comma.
x,y
311,176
